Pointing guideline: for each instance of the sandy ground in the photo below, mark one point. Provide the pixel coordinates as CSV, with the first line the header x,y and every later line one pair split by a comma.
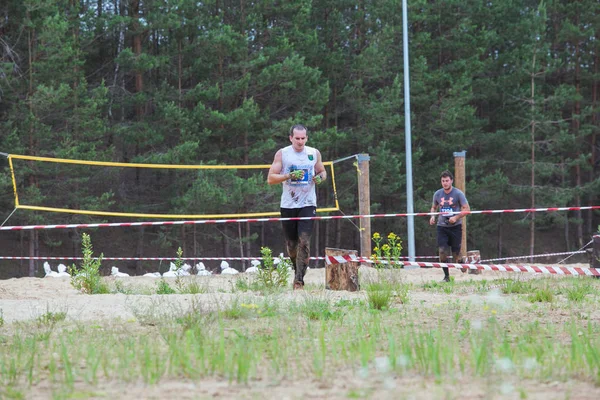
x,y
28,298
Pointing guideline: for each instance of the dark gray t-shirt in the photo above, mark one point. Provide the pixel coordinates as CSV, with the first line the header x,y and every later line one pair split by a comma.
x,y
449,202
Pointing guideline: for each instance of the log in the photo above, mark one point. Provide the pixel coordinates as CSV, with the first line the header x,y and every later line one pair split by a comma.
x,y
343,276
473,257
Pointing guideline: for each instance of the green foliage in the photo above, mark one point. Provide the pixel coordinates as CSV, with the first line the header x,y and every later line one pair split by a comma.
x,y
541,295
511,83
379,295
87,278
316,308
162,287
516,286
1,318
270,275
577,292
50,318
387,255
178,264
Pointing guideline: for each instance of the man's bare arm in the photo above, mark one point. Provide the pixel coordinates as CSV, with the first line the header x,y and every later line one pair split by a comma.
x,y
275,176
320,168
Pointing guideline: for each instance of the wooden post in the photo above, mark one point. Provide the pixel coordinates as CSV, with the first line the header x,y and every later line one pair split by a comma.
x,y
364,204
459,183
342,276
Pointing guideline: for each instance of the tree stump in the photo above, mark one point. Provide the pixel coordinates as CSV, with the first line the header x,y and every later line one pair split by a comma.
x,y
343,276
473,257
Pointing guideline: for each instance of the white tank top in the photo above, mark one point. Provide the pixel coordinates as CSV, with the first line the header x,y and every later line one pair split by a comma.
x,y
302,193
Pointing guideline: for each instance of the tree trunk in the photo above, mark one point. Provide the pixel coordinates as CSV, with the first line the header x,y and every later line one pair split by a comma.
x,y
241,242
500,238
140,251
532,223
563,179
179,71
248,243
338,233
31,253
594,136
137,50
317,251
576,126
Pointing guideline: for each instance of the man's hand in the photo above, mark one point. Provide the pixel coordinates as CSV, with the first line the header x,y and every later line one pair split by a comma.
x,y
297,175
318,180
453,220
432,220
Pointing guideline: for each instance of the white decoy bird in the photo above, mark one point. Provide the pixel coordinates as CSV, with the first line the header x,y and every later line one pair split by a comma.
x,y
49,272
173,272
226,270
254,268
152,274
114,271
185,270
62,271
201,270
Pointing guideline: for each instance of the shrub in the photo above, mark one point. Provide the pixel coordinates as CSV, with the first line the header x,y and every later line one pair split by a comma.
x,y
88,279
164,288
269,275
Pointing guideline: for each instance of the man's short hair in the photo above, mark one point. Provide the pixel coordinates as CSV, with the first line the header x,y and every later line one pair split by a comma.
x,y
299,127
447,174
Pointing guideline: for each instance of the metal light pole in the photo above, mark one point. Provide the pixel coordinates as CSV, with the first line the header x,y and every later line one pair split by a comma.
x,y
407,137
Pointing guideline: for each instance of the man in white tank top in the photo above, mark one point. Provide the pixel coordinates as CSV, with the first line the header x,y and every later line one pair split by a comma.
x,y
299,168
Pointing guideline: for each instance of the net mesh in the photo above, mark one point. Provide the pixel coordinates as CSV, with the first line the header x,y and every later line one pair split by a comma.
x,y
151,190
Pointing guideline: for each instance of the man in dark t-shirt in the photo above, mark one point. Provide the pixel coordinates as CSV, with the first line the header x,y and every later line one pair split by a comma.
x,y
453,206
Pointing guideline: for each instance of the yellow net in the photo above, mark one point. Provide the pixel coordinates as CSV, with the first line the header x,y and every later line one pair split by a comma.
x,y
52,174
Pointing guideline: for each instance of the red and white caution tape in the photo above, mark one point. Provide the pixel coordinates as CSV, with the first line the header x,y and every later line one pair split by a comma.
x,y
535,256
162,258
224,221
535,269
147,258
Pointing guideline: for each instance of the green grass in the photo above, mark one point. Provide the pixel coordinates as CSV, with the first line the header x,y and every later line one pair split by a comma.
x,y
242,338
319,308
541,295
511,286
162,287
50,318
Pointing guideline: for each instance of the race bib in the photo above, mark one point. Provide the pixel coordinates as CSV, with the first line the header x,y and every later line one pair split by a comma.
x,y
446,211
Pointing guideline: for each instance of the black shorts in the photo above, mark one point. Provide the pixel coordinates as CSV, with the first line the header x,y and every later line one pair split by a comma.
x,y
293,229
450,236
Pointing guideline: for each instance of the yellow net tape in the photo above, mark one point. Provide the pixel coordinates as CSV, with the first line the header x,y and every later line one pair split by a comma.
x,y
157,166
14,181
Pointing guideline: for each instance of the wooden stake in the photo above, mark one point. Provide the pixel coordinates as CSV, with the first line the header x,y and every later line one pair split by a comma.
x,y
364,204
459,183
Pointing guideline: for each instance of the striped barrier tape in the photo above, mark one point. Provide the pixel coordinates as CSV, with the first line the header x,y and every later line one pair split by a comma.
x,y
147,258
535,269
534,256
162,258
272,219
